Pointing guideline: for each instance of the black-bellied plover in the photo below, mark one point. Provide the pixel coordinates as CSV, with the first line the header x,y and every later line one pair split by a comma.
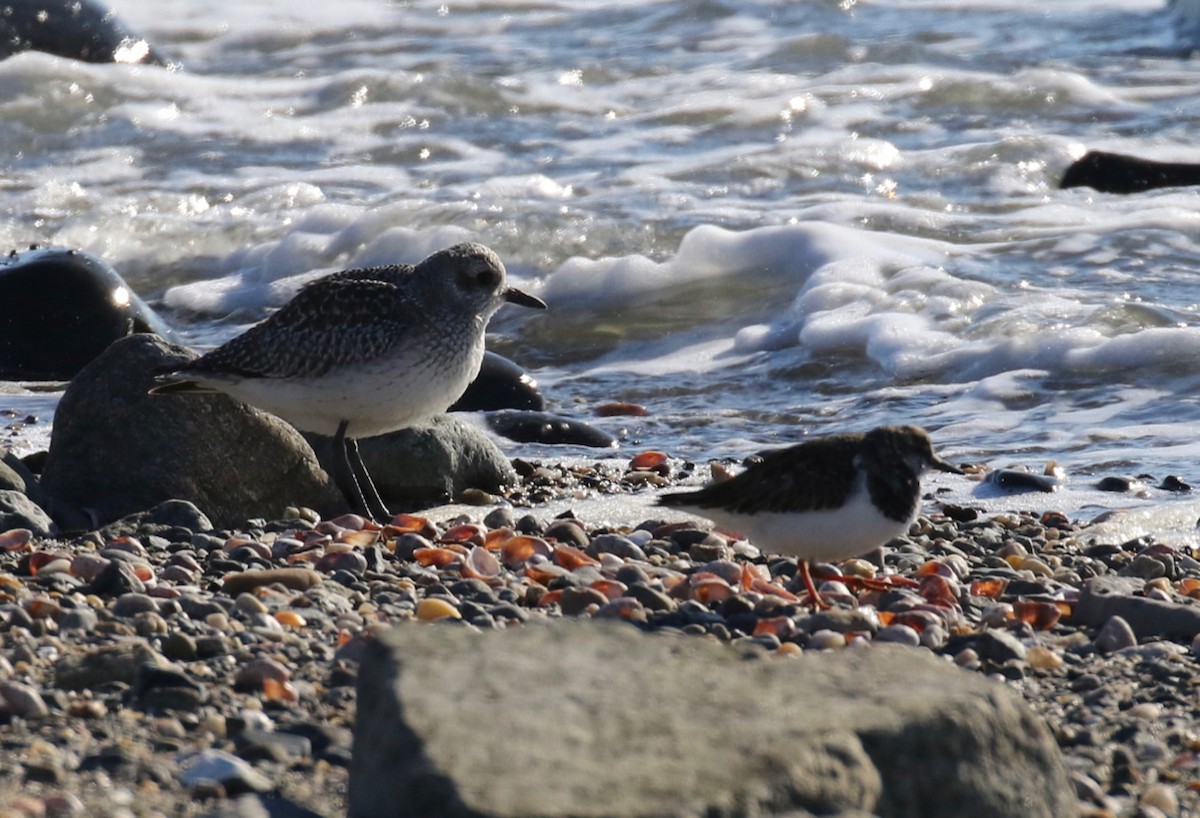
x,y
825,499
363,352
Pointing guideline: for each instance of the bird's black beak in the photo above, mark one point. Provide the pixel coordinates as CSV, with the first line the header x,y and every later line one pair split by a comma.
x,y
514,296
942,465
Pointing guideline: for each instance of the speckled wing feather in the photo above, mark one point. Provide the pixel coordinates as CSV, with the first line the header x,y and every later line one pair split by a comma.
x,y
814,475
335,321
389,273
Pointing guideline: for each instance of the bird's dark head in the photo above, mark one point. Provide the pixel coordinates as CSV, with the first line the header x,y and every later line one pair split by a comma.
x,y
909,443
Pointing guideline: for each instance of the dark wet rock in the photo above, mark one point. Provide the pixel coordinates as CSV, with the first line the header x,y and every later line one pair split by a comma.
x,y
115,450
1120,173
543,427
18,511
171,514
164,688
992,645
253,744
1114,484
78,29
260,805
841,620
576,600
10,478
1016,480
500,384
569,532
1173,483
59,309
429,463
433,731
1104,597
115,579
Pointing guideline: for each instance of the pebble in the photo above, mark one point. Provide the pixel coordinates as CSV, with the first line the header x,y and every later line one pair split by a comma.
x,y
1114,635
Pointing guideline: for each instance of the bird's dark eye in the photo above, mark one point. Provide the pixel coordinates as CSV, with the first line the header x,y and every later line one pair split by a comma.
x,y
486,278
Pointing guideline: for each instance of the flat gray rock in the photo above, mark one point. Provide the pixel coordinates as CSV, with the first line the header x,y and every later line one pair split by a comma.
x,y
116,450
429,463
1102,598
18,511
587,719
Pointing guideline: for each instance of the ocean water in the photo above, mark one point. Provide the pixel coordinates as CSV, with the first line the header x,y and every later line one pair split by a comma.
x,y
760,220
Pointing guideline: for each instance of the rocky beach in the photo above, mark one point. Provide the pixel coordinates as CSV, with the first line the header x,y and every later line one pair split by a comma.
x,y
162,666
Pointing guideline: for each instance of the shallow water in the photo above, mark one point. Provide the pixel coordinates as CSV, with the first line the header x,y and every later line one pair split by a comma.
x,y
761,220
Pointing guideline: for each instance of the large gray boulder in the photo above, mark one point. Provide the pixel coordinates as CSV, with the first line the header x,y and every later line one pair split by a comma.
x,y
573,719
116,450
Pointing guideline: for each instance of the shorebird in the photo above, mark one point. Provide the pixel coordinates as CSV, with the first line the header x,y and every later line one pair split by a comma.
x,y
363,352
830,498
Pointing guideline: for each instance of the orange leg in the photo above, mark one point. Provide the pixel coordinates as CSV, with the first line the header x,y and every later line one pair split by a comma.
x,y
813,596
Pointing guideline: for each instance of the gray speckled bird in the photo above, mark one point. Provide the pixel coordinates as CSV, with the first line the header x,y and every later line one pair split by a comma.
x,y
829,498
363,352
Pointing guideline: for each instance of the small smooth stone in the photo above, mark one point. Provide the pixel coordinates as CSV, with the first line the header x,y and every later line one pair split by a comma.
x,y
249,604
1145,567
860,568
826,640
200,766
180,646
149,623
134,603
1160,797
1036,567
1043,658
297,579
651,599
899,634
1115,635
575,601
78,619
967,658
1147,711
250,677
23,700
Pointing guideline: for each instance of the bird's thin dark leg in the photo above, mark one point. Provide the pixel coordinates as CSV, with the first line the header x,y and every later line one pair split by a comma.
x,y
371,498
343,472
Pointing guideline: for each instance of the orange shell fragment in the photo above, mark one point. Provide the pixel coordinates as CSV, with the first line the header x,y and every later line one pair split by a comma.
x,y
465,533
988,588
275,690
649,461
711,589
437,557
1041,615
290,619
610,588
520,549
570,557
409,524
